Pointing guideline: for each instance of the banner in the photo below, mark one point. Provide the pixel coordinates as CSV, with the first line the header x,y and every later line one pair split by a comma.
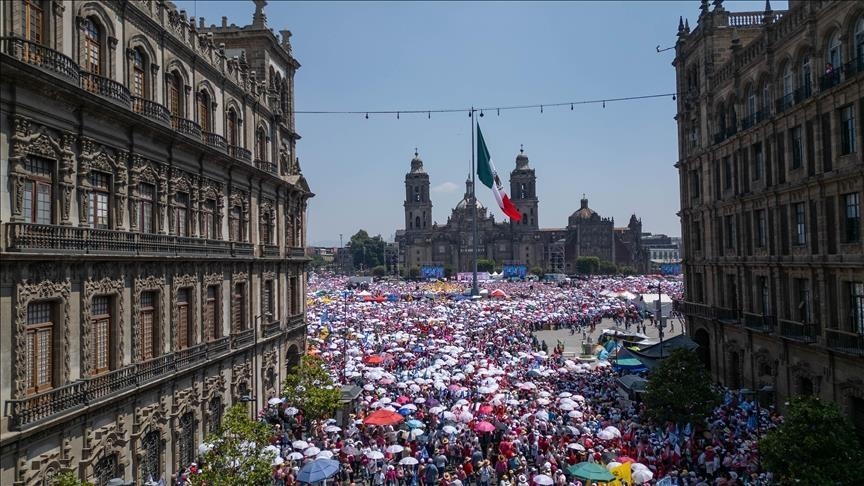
x,y
514,271
431,272
468,276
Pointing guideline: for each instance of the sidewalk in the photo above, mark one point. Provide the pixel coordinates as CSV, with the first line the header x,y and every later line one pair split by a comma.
x,y
573,343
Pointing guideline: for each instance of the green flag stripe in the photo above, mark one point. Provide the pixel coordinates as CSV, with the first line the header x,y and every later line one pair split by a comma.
x,y
484,168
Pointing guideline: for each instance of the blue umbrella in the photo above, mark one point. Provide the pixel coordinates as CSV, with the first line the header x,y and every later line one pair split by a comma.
x,y
415,424
405,411
318,470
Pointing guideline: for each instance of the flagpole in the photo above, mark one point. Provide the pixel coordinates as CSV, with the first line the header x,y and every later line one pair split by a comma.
x,y
474,289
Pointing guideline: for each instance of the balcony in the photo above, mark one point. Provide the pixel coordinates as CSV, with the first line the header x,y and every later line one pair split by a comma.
x,y
266,166
25,237
109,383
241,248
151,110
799,331
296,252
240,153
695,309
785,102
296,322
152,369
241,339
186,127
759,322
829,80
44,405
215,141
218,346
106,88
190,356
41,57
728,316
271,329
269,250
845,342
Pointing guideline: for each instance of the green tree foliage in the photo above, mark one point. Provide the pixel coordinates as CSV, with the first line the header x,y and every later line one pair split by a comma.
x,y
448,271
626,270
679,390
317,262
538,271
414,272
484,265
816,444
587,265
236,457
607,268
379,271
310,388
366,252
68,478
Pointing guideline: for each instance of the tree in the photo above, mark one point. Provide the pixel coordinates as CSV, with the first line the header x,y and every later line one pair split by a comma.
x,y
310,388
815,444
484,265
317,261
379,271
366,252
679,390
626,270
587,265
236,455
607,268
414,272
537,271
68,478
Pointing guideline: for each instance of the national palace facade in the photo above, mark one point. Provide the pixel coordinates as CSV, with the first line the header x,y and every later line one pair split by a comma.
x,y
450,245
152,233
770,137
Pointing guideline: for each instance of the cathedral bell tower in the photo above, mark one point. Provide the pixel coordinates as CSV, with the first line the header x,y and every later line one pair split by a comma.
x,y
418,206
523,193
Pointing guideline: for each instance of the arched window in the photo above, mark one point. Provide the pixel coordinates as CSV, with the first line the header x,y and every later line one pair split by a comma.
x,y
806,79
34,26
151,458
175,94
751,106
834,54
92,47
231,132
766,100
261,144
204,111
139,78
788,85
417,222
721,119
859,44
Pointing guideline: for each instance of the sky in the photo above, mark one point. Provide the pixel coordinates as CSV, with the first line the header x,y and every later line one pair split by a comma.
x,y
380,56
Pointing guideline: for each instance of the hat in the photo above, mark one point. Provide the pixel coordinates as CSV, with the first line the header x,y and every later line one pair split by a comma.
x,y
522,478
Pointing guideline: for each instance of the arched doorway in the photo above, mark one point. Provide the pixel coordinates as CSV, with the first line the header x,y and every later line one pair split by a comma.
x,y
292,357
704,350
733,369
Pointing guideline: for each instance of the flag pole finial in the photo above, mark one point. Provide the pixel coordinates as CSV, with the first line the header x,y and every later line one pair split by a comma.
x,y
521,149
416,154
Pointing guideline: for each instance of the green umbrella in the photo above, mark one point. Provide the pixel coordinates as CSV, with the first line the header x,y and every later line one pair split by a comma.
x,y
591,472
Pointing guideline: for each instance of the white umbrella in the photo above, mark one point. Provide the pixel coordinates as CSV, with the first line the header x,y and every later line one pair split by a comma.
x,y
605,435
295,456
408,461
271,449
375,455
449,429
277,461
204,448
614,430
436,410
576,446
542,415
324,455
395,449
291,411
641,476
332,429
416,433
275,401
565,394
543,480
311,451
299,444
575,414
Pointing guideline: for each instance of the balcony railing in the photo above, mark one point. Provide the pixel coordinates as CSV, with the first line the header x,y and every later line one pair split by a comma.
x,y
731,316
241,248
190,356
46,404
845,341
269,250
240,153
695,309
42,57
759,322
295,322
156,367
151,110
266,165
186,127
215,141
110,383
218,346
785,102
242,339
271,328
297,252
799,331
30,236
106,88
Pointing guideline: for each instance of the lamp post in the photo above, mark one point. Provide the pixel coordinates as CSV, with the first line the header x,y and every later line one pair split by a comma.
x,y
659,314
341,256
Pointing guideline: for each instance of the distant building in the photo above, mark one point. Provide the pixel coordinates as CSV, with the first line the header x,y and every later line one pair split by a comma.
x,y
662,250
423,242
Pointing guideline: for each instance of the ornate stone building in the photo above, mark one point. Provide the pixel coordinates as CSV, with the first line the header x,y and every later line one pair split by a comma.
x,y
769,129
152,225
423,242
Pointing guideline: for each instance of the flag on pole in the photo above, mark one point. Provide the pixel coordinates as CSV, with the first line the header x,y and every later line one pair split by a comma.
x,y
488,175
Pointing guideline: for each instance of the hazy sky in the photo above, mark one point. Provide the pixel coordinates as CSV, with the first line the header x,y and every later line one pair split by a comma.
x,y
359,56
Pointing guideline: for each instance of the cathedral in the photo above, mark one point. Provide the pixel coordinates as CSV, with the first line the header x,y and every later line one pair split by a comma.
x,y
555,250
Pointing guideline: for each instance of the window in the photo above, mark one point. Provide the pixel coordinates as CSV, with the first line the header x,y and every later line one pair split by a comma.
x,y
764,296
33,21
151,458
852,219
806,78
212,326
856,306
766,101
139,78
208,219
727,172
803,300
797,138
181,214
231,132
751,105
267,228
694,185
761,229
215,414
100,334
847,130
37,202
149,325
105,470
98,210
800,225
175,94
416,193
758,162
186,440
40,347
261,144
184,320
834,56
788,85
236,224
204,111
731,237
267,307
146,199
697,235
238,307
859,44
92,47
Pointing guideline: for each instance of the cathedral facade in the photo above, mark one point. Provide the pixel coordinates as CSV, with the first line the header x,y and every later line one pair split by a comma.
x,y
556,250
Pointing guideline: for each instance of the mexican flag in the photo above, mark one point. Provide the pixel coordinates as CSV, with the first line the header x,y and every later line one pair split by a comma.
x,y
489,177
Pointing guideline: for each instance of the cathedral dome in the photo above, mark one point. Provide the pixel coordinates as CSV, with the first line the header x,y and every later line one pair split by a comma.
x,y
584,212
417,164
465,203
521,159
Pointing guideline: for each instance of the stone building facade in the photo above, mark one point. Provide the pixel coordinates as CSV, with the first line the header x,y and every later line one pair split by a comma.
x,y
152,225
769,117
450,245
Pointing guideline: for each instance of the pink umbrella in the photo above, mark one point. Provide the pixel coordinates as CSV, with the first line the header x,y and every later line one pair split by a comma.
x,y
484,426
403,400
485,409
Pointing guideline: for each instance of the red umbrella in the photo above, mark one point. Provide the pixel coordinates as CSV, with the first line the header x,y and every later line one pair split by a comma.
x,y
624,459
484,426
373,359
485,408
403,400
383,417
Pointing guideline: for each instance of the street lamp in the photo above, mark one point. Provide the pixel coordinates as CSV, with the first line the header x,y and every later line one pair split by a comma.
x,y
659,313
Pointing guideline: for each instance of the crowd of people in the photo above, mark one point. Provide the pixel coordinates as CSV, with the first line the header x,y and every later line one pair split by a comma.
x,y
459,392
